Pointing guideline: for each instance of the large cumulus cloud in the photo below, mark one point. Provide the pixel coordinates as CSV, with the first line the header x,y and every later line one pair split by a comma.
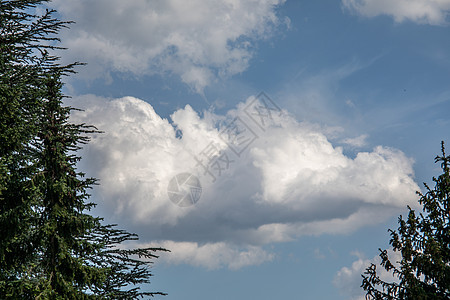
x,y
280,180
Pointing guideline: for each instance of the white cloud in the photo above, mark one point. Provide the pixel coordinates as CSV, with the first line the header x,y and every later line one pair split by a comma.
x,y
197,40
348,279
288,182
358,141
211,255
432,12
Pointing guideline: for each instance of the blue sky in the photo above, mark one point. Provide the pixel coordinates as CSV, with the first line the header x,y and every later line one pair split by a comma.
x,y
360,99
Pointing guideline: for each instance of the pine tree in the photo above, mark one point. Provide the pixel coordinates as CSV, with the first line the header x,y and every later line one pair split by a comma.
x,y
62,220
79,255
124,266
423,241
50,247
23,61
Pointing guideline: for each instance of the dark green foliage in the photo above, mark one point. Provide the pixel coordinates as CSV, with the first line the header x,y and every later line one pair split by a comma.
x,y
424,243
50,247
124,266
23,61
62,222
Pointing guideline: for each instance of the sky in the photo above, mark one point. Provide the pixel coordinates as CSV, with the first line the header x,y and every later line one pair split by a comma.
x,y
269,144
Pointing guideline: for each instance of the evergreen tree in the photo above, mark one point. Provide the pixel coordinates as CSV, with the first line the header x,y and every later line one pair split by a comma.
x,y
23,61
124,267
423,241
50,247
63,222
79,254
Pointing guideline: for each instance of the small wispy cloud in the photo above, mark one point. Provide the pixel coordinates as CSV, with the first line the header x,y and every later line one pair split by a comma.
x,y
433,12
357,142
348,279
